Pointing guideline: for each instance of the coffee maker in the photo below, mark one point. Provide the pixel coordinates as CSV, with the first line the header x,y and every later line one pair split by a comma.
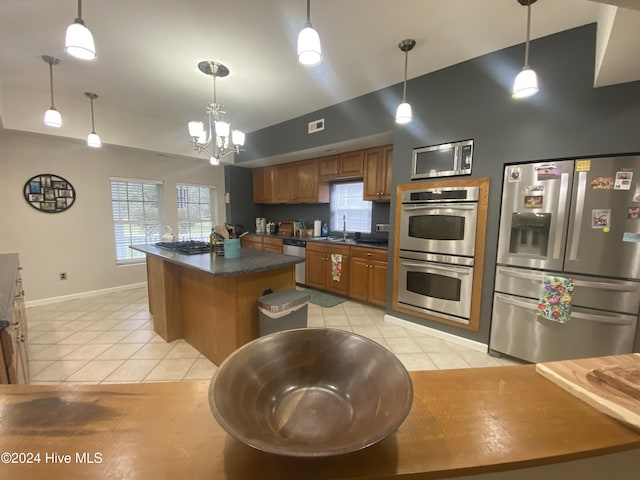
x,y
261,225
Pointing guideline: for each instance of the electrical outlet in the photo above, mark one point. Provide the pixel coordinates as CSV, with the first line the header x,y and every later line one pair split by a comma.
x,y
63,275
382,227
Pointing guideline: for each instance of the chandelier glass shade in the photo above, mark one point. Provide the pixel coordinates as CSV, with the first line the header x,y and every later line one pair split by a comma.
x,y
52,117
79,40
526,82
215,138
309,49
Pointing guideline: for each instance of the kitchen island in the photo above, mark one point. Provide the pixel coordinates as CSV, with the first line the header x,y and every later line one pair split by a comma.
x,y
493,423
210,300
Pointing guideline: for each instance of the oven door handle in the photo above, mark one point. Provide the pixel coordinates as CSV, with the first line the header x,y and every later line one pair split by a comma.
x,y
448,268
438,207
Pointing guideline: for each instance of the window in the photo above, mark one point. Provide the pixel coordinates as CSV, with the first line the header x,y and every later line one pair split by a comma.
x,y
197,209
347,202
136,216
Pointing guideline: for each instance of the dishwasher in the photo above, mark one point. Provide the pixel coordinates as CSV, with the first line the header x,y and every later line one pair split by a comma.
x,y
296,248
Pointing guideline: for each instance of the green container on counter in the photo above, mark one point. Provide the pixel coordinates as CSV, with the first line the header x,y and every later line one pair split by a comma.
x,y
232,248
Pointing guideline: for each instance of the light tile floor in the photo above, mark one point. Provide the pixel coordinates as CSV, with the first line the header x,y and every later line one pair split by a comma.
x,y
109,338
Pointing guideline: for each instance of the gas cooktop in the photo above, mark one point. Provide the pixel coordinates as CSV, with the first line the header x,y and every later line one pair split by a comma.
x,y
189,247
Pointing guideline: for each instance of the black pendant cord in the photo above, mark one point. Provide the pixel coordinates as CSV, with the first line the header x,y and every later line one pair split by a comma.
x,y
93,126
51,84
404,89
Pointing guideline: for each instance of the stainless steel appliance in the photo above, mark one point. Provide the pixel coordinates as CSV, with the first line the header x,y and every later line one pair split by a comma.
x,y
572,219
436,251
296,248
439,284
440,220
189,247
444,160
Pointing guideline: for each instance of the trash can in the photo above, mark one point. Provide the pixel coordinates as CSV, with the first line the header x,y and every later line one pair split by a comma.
x,y
282,311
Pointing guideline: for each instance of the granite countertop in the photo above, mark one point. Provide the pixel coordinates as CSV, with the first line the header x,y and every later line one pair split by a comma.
x,y
8,269
250,261
351,242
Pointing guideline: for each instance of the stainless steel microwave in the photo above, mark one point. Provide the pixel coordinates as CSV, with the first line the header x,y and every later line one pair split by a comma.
x,y
444,160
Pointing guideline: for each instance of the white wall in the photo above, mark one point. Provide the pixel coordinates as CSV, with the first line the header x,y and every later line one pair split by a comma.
x,y
79,240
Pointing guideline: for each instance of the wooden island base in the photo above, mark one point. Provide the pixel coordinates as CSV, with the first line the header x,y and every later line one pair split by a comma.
x,y
216,314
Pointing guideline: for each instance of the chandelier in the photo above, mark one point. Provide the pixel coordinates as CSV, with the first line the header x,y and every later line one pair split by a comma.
x,y
215,141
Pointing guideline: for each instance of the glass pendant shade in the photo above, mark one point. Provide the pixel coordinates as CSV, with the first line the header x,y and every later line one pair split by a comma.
x,y
52,118
196,129
309,50
214,161
79,41
222,129
237,137
526,84
93,140
403,113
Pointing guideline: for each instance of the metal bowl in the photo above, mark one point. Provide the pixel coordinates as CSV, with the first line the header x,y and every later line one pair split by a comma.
x,y
311,392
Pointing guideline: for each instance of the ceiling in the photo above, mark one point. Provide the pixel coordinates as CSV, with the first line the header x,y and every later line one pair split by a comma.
x,y
149,85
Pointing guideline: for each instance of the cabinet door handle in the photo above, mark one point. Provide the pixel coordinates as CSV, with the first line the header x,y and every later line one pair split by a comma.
x,y
22,338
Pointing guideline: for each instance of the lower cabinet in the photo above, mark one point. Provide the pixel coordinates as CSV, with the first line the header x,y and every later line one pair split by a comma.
x,y
327,267
13,339
368,270
261,242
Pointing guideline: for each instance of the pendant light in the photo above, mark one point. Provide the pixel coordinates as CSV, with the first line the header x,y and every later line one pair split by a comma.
x,y
526,83
403,113
78,40
52,117
93,139
309,50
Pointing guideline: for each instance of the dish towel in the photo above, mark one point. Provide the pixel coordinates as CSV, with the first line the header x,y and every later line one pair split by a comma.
x,y
556,295
336,266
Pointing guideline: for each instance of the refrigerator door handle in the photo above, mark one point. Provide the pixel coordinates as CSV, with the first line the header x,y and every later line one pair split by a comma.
x,y
627,287
577,221
533,305
601,319
562,198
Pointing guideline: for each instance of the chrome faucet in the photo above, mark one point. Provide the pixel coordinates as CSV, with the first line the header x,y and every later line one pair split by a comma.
x,y
344,227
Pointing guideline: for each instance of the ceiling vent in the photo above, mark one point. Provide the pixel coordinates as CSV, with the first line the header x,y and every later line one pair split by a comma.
x,y
316,126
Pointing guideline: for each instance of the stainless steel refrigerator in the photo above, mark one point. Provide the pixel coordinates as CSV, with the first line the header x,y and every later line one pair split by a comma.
x,y
577,220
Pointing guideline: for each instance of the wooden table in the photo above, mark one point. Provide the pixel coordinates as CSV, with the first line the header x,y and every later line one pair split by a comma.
x,y
463,422
209,300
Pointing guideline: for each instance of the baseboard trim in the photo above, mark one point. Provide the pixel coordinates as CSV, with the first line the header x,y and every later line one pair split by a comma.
x,y
91,293
449,337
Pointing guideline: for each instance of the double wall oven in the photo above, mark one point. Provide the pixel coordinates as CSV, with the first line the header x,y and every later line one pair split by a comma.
x,y
436,251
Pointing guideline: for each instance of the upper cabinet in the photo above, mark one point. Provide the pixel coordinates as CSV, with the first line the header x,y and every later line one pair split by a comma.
x,y
298,182
263,185
307,181
377,173
345,165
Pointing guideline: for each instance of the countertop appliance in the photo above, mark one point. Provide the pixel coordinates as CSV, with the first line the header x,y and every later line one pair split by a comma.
x,y
436,251
189,247
444,160
296,248
570,220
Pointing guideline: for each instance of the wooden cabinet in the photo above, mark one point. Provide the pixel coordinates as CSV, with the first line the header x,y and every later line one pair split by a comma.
x,y
260,242
377,173
345,165
263,187
13,339
327,267
368,275
270,244
298,182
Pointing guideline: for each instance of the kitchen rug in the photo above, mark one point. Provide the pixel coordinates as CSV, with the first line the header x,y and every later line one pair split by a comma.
x,y
323,299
